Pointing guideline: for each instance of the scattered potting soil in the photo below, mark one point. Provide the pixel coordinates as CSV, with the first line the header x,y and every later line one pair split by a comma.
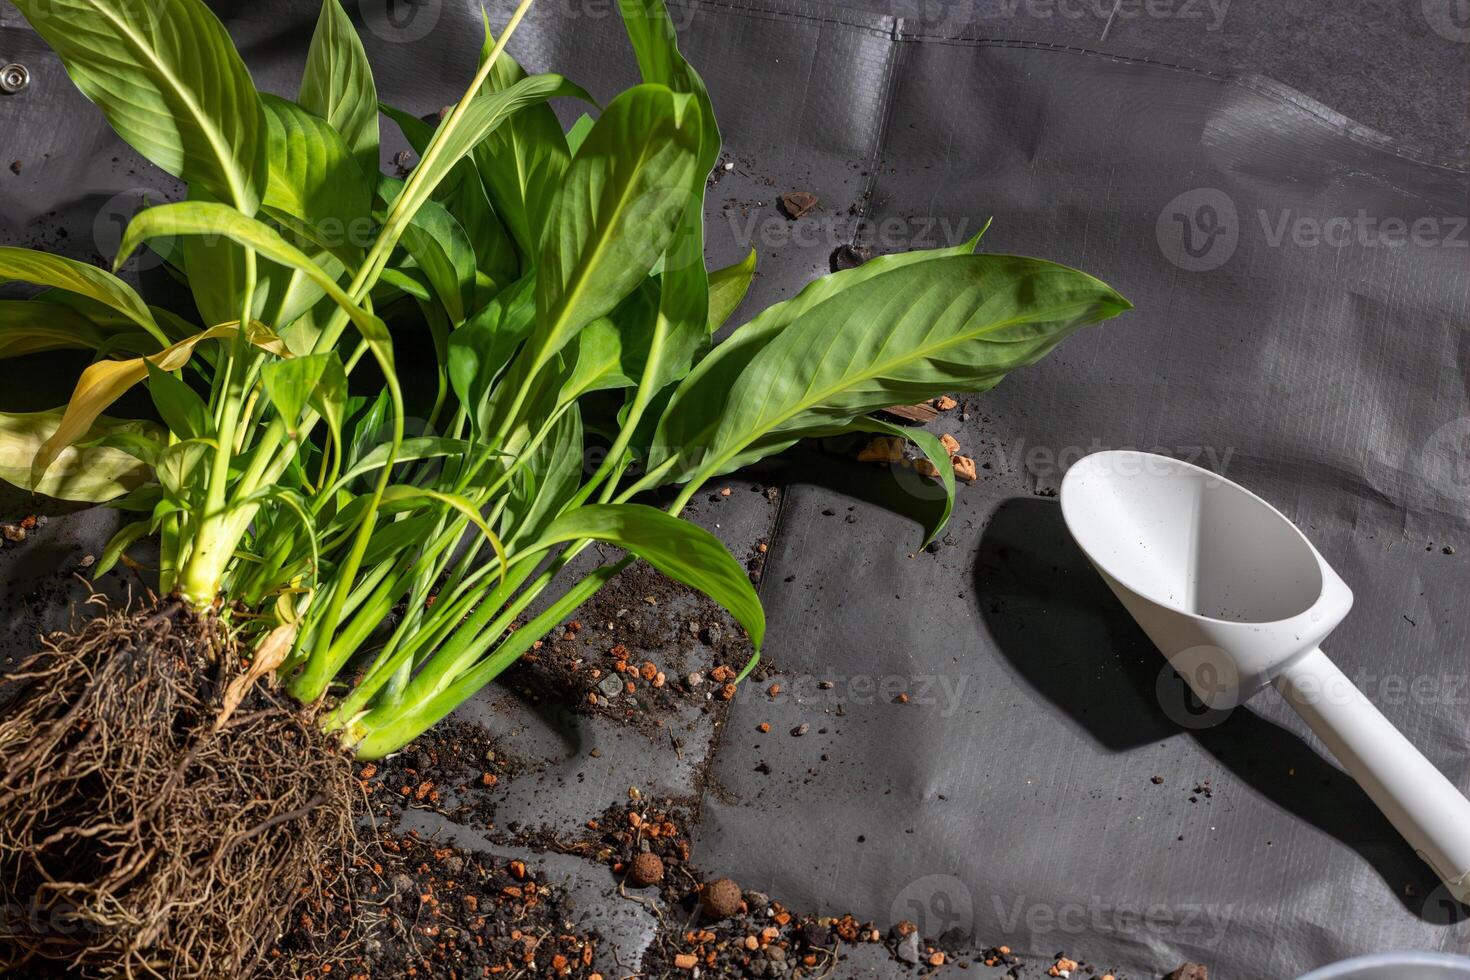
x,y
452,769
642,649
408,907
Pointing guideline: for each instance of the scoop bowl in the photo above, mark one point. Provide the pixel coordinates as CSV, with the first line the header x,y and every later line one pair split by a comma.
x,y
1237,598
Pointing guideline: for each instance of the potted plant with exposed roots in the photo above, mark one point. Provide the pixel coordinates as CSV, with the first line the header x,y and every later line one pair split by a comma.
x,y
328,585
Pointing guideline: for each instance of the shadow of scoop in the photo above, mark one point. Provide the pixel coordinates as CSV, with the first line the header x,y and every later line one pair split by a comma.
x,y
1061,629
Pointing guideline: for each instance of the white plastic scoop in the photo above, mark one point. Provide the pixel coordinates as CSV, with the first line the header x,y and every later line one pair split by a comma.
x,y
1236,597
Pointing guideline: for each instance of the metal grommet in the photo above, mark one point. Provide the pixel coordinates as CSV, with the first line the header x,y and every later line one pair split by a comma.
x,y
14,78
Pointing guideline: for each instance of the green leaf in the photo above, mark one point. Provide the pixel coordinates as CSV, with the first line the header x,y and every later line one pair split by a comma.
x,y
479,350
397,496
83,473
681,332
656,47
181,409
317,380
578,133
684,552
928,444
126,536
315,180
338,85
546,481
677,428
181,469
42,269
914,331
418,447
480,118
464,194
727,288
615,213
201,218
31,325
169,80
613,351
142,446
441,249
522,162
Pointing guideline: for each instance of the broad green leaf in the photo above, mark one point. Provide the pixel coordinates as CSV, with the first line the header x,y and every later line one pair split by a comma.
x,y
31,325
181,468
683,551
43,269
338,85
104,382
201,218
681,332
727,288
958,323
612,351
180,407
657,49
678,428
615,213
522,162
215,270
315,180
142,446
169,80
91,473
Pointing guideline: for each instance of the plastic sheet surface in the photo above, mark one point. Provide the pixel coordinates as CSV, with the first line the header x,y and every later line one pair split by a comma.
x,y
1301,307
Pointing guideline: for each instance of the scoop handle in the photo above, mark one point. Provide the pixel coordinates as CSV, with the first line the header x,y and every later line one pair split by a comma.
x,y
1432,815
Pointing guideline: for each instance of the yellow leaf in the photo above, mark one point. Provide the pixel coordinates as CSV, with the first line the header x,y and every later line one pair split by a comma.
x,y
104,382
92,474
268,656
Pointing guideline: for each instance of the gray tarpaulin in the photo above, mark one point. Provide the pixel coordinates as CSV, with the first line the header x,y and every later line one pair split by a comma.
x,y
1301,291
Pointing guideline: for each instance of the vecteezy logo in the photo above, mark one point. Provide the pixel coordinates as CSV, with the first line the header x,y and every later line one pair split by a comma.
x,y
937,904
1450,19
1199,669
112,222
1442,908
1199,229
401,21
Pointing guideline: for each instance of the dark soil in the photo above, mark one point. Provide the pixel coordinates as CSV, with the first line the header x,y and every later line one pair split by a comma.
x,y
407,907
642,649
453,769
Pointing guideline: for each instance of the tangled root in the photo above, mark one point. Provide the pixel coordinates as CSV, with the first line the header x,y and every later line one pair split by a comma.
x,y
135,840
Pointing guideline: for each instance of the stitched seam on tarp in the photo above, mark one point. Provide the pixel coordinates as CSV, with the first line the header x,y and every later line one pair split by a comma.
x,y
1277,92
880,137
